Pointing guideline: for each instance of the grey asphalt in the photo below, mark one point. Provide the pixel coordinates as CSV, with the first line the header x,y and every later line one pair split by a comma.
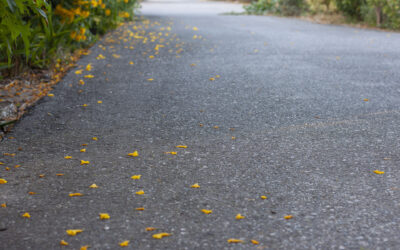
x,y
292,93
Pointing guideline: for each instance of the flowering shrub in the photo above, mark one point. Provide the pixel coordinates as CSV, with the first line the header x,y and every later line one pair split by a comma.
x,y
35,32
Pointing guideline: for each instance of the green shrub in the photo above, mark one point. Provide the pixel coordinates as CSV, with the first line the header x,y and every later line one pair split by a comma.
x,y
351,8
261,6
291,7
283,7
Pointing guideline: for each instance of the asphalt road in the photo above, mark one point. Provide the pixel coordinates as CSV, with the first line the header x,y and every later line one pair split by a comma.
x,y
304,113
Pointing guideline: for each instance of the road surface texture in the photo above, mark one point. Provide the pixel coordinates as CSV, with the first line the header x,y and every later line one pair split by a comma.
x,y
300,113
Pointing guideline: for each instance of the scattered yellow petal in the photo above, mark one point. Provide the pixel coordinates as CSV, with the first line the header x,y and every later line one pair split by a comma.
x,y
81,82
193,64
75,194
206,211
134,154
63,243
217,76
196,185
234,241
172,153
94,138
139,209
3,205
100,56
99,102
7,168
41,175
216,127
3,181
124,243
89,76
73,232
84,105
17,166
239,217
233,138
378,172
1,163
104,216
83,150
59,174
78,72
140,192
255,242
150,79
31,193
116,56
131,63
89,67
263,197
84,247
68,157
160,235
366,99
212,79
288,217
50,95
136,177
84,144
26,215
150,228
84,162
181,146
195,28
93,186
201,124
151,57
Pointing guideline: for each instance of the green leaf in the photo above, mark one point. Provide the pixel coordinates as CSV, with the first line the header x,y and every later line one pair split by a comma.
x,y
11,4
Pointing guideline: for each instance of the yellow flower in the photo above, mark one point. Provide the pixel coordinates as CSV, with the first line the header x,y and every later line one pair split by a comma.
x,y
103,6
67,157
3,205
288,217
181,146
378,172
94,138
161,235
84,162
234,241
94,3
139,209
150,79
136,177
73,232
263,197
89,76
84,247
93,186
78,72
140,192
83,150
126,1
63,243
82,31
239,217
196,185
150,228
73,35
172,153
107,12
3,181
195,28
50,95
255,242
212,79
26,215
89,67
206,211
99,102
104,216
131,63
75,194
124,243
134,154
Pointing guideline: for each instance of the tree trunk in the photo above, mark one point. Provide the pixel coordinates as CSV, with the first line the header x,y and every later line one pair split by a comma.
x,y
378,13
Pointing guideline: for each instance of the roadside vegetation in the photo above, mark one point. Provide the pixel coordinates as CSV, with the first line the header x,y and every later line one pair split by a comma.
x,y
36,34
376,13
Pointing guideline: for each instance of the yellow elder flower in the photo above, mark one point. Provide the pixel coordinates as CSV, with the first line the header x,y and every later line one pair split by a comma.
x,y
378,172
89,67
126,1
150,228
239,217
78,72
93,186
107,12
140,192
73,232
206,211
263,197
26,215
89,76
196,185
68,157
124,243
234,241
63,243
104,216
83,150
94,3
161,235
3,181
75,194
103,6
84,247
134,154
181,146
255,242
84,162
288,217
82,31
136,177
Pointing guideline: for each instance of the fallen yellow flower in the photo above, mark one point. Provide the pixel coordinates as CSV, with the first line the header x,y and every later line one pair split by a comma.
x,y
93,186
26,215
131,63
234,241
206,211
150,79
50,95
100,56
288,217
78,72
239,217
140,209
67,157
116,56
75,194
104,216
150,228
81,82
196,185
140,192
84,162
195,28
94,138
84,247
212,79
99,102
181,146
89,67
3,205
73,232
134,154
172,153
83,150
3,181
63,243
255,242
378,172
136,177
263,197
161,235
89,76
124,243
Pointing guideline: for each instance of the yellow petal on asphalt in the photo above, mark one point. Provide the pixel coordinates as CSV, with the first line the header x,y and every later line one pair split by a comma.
x,y
150,79
93,186
89,67
84,162
131,63
124,243
239,217
63,243
151,57
193,64
31,193
216,127
17,166
172,153
195,28
196,185
181,146
3,205
73,232
206,211
3,181
217,76
255,242
378,172
139,209
150,228
81,82
68,157
94,138
134,154
50,95
161,235
84,247
136,177
26,215
78,72
89,76
84,105
212,79
104,216
288,217
1,163
99,102
263,197
234,241
83,150
75,194
233,138
366,99
116,56
140,192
